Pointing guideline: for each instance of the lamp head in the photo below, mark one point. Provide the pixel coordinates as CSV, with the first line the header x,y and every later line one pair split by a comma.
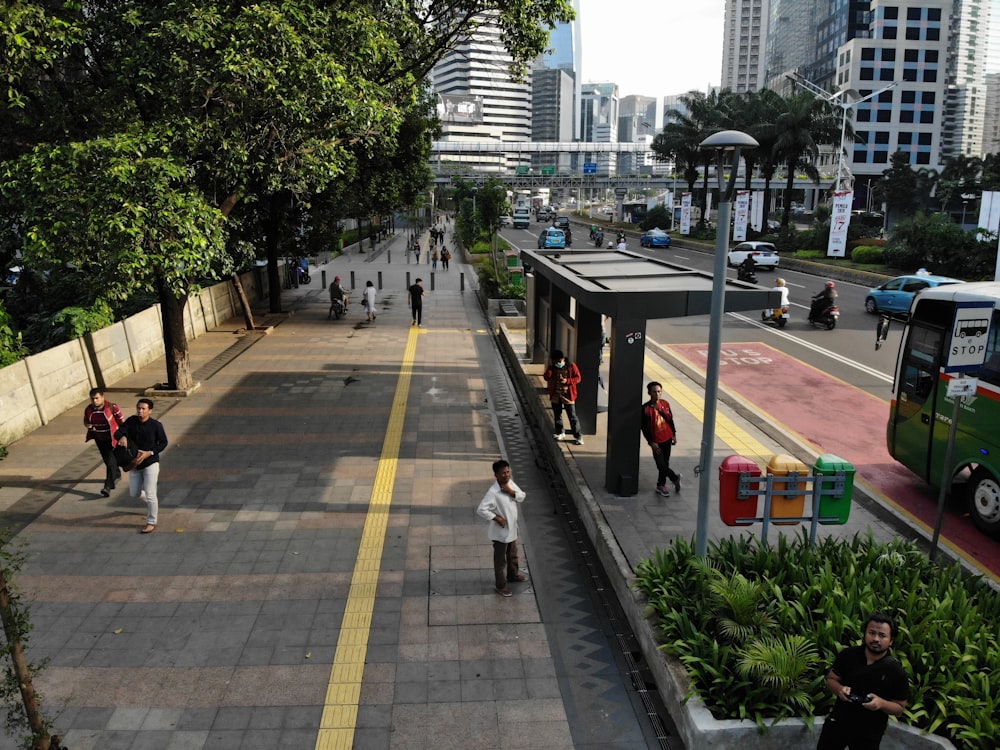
x,y
727,140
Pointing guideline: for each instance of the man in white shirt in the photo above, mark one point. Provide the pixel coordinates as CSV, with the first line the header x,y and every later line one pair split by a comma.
x,y
499,507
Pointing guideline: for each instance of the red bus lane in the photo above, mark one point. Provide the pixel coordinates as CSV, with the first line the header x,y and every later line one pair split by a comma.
x,y
835,417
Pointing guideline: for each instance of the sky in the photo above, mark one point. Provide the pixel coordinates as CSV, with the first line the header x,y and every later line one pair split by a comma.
x,y
652,48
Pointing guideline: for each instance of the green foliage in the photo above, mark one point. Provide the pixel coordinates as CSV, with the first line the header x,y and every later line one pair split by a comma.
x,y
867,254
818,598
934,242
658,217
809,254
11,347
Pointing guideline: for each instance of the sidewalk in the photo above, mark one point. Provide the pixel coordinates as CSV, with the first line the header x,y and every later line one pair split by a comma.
x,y
318,577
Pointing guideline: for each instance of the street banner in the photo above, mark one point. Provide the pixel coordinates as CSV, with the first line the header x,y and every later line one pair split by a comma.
x,y
989,211
741,215
685,213
757,210
840,219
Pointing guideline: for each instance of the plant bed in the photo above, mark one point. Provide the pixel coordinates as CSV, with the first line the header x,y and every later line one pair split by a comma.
x,y
757,626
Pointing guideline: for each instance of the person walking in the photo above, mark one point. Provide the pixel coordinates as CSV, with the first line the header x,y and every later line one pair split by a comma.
x,y
445,257
870,685
102,419
416,298
434,260
146,434
661,435
563,378
368,300
338,294
499,507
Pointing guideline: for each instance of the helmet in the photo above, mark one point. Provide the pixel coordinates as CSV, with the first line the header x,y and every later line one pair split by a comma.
x,y
830,285
336,278
779,282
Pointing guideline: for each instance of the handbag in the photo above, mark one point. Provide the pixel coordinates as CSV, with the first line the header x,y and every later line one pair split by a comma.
x,y
126,456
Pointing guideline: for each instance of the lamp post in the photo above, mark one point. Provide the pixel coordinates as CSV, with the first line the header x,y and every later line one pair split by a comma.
x,y
720,143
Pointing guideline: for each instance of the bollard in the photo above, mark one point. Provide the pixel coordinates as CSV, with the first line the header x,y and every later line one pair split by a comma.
x,y
380,280
322,278
461,282
352,279
432,281
388,255
408,280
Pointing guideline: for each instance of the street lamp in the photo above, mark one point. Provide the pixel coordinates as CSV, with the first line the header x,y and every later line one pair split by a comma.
x,y
720,143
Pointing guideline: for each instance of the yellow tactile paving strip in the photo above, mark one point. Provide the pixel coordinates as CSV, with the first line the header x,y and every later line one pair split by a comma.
x,y
726,430
340,712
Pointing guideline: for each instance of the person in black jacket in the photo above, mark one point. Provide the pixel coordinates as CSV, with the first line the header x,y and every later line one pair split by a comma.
x,y
146,434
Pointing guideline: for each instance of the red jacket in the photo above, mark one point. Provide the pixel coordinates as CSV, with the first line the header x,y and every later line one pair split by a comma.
x,y
658,421
567,386
102,424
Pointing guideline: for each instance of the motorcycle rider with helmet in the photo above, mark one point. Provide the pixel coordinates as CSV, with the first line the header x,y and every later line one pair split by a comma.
x,y
779,286
823,300
747,270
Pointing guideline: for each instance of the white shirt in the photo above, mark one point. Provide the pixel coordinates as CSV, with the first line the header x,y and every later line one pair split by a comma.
x,y
784,294
498,503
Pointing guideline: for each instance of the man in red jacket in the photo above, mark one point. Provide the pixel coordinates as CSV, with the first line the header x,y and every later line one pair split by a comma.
x,y
102,419
661,435
563,378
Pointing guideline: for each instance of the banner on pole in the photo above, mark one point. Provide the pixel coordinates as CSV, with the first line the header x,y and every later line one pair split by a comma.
x,y
757,210
685,213
741,215
840,219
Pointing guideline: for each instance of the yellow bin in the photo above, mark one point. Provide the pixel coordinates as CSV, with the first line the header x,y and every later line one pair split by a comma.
x,y
786,506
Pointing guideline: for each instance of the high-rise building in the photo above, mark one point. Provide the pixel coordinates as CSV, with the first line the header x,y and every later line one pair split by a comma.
x,y
791,39
991,115
744,45
479,101
636,119
599,122
552,114
565,53
842,21
965,105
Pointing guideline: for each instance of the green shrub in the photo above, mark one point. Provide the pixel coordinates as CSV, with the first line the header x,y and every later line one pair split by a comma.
x,y
867,254
817,599
809,255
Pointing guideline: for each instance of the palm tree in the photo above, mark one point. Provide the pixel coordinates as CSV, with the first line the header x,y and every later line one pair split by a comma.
x,y
805,123
758,116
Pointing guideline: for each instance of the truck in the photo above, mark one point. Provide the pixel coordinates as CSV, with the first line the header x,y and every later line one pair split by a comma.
x,y
522,217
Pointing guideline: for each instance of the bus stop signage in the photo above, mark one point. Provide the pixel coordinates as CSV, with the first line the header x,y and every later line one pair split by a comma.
x,y
969,336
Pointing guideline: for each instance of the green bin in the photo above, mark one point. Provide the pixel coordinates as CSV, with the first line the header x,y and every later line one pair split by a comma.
x,y
835,503
513,260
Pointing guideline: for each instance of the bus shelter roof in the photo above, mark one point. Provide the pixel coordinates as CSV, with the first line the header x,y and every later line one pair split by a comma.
x,y
627,285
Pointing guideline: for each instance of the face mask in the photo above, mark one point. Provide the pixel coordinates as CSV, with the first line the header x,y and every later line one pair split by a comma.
x,y
560,365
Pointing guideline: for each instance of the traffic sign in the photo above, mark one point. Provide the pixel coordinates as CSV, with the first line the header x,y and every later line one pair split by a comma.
x,y
522,169
549,169
590,167
969,336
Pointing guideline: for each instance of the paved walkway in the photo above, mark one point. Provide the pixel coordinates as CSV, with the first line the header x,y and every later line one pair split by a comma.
x,y
318,577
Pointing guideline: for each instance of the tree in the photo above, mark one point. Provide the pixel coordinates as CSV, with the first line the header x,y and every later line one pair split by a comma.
x,y
900,187
266,103
805,123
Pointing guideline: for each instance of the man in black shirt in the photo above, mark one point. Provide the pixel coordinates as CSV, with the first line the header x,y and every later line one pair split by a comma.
x,y
146,434
870,685
416,294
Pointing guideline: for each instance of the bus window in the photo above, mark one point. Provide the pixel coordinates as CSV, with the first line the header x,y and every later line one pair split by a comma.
x,y
990,371
920,370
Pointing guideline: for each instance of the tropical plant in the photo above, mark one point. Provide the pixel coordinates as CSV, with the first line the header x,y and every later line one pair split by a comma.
x,y
806,122
786,665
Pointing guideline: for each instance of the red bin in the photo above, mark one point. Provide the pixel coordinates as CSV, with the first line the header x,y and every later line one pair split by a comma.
x,y
731,505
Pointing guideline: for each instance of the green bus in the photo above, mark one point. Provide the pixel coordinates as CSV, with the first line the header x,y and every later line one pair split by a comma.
x,y
921,411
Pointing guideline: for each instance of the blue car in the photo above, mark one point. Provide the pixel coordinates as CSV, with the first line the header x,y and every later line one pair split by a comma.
x,y
552,238
655,238
896,295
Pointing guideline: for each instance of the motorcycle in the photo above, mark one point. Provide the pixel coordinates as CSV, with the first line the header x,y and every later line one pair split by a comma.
x,y
337,306
745,274
304,277
827,318
599,239
779,317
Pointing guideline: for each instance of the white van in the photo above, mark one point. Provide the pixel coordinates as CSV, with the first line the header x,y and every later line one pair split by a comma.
x,y
522,217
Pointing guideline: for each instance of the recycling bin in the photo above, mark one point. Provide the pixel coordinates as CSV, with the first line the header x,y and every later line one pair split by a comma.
x,y
782,505
834,502
731,504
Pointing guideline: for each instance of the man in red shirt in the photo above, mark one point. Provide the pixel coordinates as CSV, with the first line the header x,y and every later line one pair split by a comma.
x,y
660,433
563,378
102,419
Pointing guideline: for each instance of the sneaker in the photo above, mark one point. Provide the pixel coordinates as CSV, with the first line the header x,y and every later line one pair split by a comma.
x,y
578,441
559,435
505,592
662,491
677,483
519,578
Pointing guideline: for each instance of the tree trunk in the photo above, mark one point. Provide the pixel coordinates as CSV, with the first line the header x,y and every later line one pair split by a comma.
x,y
272,226
789,185
19,664
175,343
241,295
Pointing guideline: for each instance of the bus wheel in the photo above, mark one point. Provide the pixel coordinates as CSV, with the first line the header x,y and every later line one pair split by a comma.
x,y
985,501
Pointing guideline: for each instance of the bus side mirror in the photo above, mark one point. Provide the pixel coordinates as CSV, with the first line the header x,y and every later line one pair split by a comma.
x,y
882,331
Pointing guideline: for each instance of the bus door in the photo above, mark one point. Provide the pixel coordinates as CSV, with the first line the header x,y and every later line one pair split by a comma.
x,y
911,438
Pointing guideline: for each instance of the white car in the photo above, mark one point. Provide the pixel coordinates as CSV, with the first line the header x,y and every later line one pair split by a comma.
x,y
608,210
765,255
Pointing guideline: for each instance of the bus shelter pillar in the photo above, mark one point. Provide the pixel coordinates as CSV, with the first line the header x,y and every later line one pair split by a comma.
x,y
625,388
589,341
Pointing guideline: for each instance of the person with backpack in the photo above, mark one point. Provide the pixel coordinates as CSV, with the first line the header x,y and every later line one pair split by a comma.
x,y
563,378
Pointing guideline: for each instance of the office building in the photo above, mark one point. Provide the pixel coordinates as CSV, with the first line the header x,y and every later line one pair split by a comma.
x,y
599,122
744,44
553,94
791,39
965,106
636,119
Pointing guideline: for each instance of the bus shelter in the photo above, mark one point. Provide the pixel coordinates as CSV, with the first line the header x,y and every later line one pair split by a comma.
x,y
569,292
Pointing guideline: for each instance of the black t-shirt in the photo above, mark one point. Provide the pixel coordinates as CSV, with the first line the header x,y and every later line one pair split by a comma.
x,y
885,678
416,295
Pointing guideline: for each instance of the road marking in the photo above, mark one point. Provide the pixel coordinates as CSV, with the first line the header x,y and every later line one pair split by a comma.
x,y
343,693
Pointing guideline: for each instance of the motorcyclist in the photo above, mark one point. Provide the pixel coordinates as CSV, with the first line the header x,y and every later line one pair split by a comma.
x,y
337,292
823,300
594,231
779,286
747,269
599,238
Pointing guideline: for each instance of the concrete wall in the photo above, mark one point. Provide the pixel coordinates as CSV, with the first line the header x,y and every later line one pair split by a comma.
x,y
695,723
37,389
